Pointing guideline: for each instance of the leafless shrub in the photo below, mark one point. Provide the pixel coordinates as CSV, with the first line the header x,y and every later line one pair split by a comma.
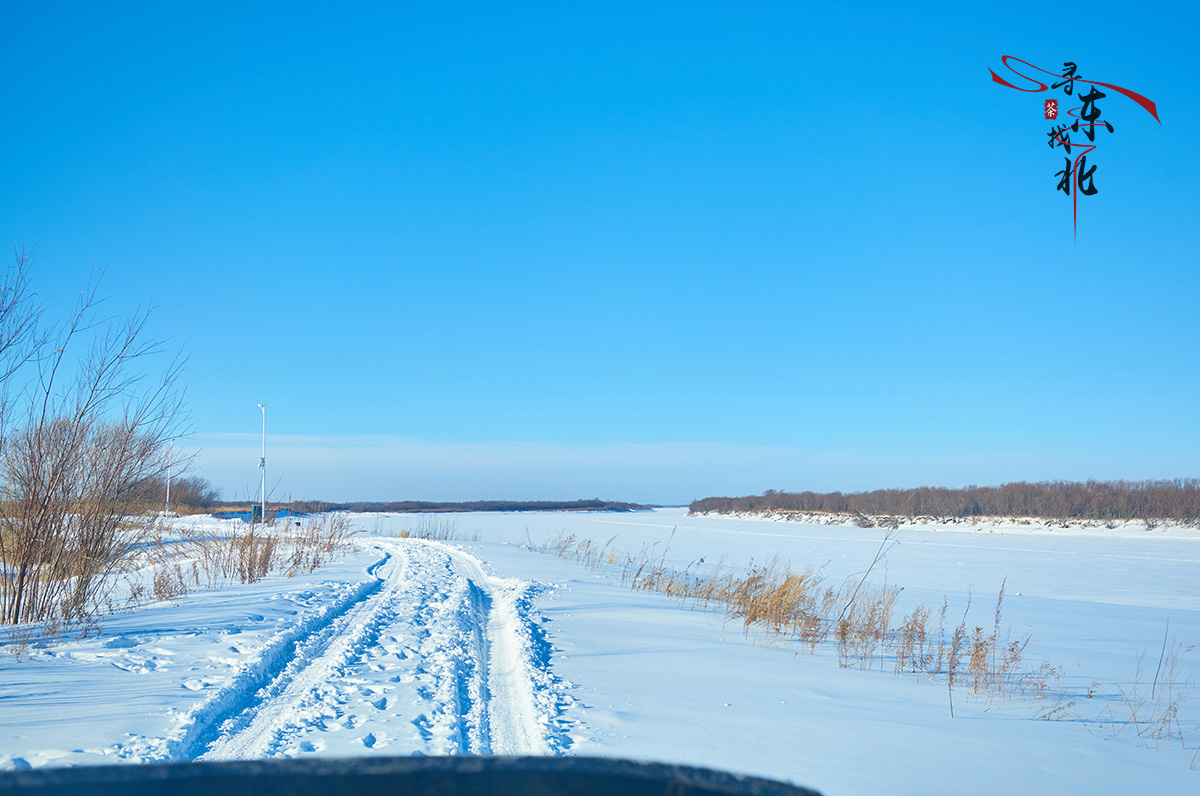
x,y
75,443
20,639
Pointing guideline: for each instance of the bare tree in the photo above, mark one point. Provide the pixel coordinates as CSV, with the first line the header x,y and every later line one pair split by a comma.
x,y
75,444
20,338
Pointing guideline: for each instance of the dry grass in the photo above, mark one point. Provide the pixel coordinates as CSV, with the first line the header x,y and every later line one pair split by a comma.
x,y
443,530
314,542
1144,707
920,648
780,601
776,604
169,583
290,547
1151,711
247,555
863,632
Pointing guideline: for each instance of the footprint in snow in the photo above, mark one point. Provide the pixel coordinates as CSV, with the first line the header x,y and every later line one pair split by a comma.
x,y
381,703
120,643
136,667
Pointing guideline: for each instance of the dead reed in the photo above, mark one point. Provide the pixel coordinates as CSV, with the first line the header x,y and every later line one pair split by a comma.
x,y
444,530
776,604
248,554
1151,711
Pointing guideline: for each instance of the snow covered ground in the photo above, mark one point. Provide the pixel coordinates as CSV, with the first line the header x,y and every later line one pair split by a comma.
x,y
418,647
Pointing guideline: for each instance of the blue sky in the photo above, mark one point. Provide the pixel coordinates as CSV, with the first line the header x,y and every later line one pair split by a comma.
x,y
646,251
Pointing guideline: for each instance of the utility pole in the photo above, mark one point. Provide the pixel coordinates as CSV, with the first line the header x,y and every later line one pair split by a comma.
x,y
262,463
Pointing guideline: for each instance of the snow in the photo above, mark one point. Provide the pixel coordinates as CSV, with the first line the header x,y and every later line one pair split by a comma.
x,y
483,647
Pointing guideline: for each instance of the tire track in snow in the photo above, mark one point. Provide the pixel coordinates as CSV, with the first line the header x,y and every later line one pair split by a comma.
x,y
516,722
200,726
281,706
482,668
492,690
453,659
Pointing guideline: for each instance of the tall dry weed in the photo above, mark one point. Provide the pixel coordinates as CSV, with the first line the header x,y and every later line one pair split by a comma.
x,y
440,530
775,604
290,547
914,649
863,631
1151,710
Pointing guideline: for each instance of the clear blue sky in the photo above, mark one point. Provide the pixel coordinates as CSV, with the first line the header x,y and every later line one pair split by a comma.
x,y
646,251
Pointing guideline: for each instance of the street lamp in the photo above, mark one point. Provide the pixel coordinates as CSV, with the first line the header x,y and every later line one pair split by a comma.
x,y
262,463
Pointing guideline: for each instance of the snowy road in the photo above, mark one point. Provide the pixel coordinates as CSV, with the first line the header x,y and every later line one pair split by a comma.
x,y
408,647
429,637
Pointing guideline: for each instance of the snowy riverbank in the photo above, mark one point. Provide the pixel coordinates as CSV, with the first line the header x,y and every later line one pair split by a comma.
x,y
414,647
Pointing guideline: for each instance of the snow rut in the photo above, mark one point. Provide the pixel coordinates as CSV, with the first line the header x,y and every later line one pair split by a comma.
x,y
516,718
285,702
492,692
477,666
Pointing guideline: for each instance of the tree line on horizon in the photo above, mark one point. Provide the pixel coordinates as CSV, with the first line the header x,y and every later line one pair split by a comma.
x,y
1175,499
433,507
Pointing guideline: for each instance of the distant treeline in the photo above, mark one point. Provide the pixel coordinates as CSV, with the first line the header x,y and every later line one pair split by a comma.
x,y
1177,499
419,506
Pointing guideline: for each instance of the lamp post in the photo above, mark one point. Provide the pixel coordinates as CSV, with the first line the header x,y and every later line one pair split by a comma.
x,y
262,463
